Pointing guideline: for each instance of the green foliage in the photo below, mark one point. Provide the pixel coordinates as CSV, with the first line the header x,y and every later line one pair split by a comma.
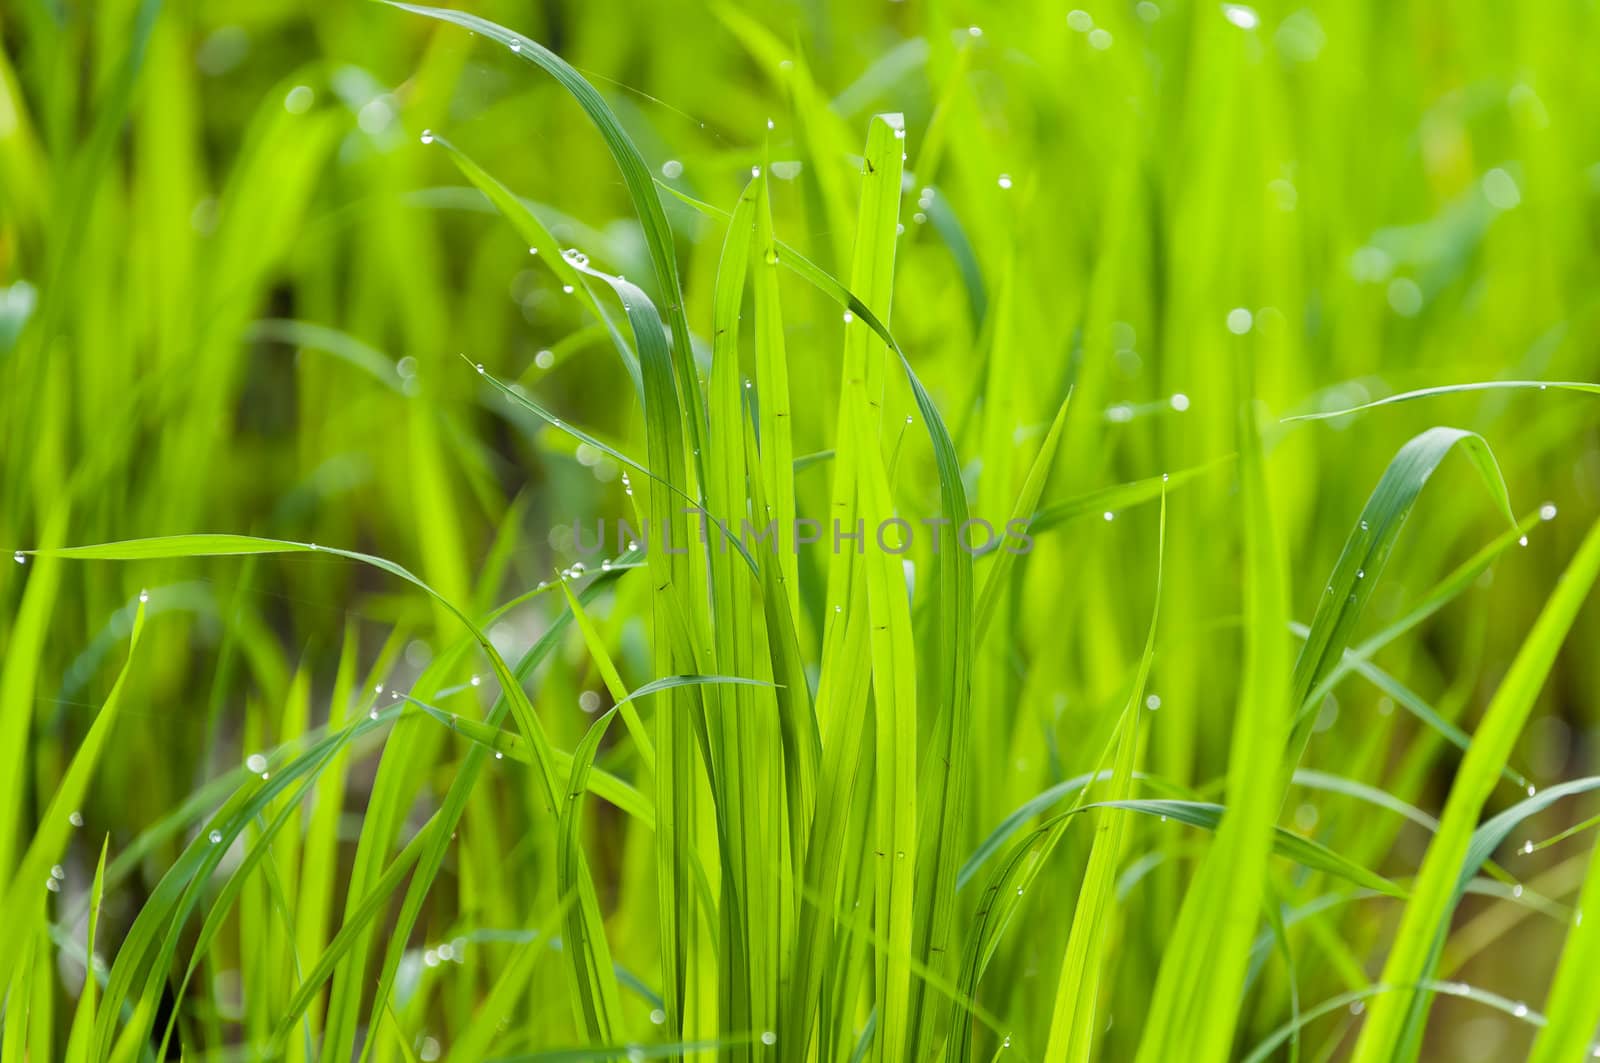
x,y
335,725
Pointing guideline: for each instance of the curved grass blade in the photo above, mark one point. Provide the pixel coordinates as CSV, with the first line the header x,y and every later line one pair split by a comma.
x,y
531,229
1393,1031
1118,497
1379,990
1367,550
214,545
1023,862
1453,389
1301,850
635,175
341,345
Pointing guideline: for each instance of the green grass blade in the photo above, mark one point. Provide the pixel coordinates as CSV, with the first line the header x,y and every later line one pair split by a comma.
x,y
1453,389
1393,1029
1572,1009
1072,1022
25,895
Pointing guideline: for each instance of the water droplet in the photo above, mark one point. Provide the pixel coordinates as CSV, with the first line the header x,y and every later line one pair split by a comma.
x,y
1532,789
544,359
144,596
1239,320
1547,511
1179,401
671,168
476,680
1004,180
1019,891
769,1038
848,317
909,419
1099,39
755,171
58,872
974,31
52,885
431,958
299,99
479,367
1527,847
256,763
215,837
567,288
1153,702
1516,891
427,136
373,715
1147,11
1405,296
1522,541
748,384
1109,515
1361,573
1080,20
1007,1042
1520,1011
516,46
1240,15
18,558
498,755
1363,525
76,819
771,124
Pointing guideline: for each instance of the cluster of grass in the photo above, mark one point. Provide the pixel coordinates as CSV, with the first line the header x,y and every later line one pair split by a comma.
x,y
328,333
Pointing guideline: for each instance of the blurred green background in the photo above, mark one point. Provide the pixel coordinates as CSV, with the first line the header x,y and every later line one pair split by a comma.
x,y
236,288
